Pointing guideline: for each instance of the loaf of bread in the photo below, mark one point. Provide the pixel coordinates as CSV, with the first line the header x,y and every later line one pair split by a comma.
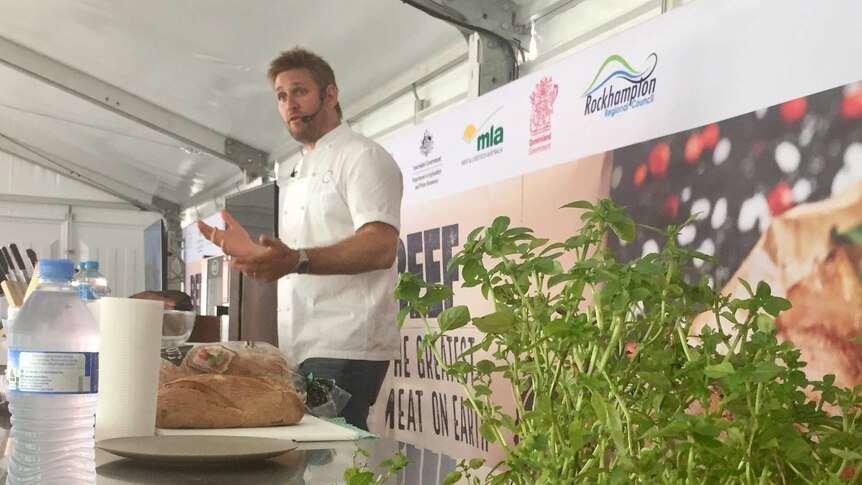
x,y
219,401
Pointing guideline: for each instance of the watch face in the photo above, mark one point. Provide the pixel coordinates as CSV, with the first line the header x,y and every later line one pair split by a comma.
x,y
302,264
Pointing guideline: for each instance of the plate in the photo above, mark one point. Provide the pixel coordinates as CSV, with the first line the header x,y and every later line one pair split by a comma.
x,y
192,449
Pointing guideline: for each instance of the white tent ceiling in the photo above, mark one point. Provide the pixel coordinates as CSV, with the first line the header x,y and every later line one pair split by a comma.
x,y
201,61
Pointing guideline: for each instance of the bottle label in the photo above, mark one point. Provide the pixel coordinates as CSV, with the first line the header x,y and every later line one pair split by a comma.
x,y
32,372
85,292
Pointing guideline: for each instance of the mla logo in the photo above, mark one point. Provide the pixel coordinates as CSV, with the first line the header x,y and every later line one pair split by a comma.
x,y
486,138
543,98
427,144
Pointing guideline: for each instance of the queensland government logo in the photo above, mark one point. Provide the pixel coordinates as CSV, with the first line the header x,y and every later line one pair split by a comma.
x,y
543,98
618,87
487,138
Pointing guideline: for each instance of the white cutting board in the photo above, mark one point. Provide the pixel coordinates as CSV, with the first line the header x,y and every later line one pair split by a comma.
x,y
308,429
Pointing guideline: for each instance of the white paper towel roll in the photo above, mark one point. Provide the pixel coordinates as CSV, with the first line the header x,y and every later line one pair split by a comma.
x,y
130,333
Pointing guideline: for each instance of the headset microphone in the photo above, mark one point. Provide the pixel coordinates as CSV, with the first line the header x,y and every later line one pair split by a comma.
x,y
307,118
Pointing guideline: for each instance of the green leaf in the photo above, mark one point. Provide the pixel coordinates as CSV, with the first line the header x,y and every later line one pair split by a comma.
x,y
500,224
854,234
717,371
496,322
476,463
517,231
624,229
408,287
473,272
579,204
775,305
435,294
765,371
656,380
746,286
703,257
560,278
487,431
360,478
640,293
453,318
766,324
616,429
474,233
599,406
857,340
763,289
846,454
481,390
485,366
452,478
576,435
402,315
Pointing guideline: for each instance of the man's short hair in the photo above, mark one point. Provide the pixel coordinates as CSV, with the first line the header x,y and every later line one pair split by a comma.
x,y
299,58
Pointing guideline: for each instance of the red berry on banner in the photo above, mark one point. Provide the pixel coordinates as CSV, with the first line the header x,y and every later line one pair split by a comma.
x,y
693,148
640,174
793,110
709,135
780,198
671,206
757,148
659,159
851,106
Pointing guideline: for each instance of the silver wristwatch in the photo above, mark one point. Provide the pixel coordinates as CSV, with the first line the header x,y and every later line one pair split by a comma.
x,y
302,263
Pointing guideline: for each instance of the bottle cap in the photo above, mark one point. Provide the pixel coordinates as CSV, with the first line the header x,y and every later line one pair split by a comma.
x,y
56,269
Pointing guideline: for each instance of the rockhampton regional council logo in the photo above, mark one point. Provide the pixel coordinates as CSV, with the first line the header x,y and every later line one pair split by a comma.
x,y
618,87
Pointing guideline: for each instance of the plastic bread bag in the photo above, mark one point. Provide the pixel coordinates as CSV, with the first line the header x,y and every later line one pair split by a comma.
x,y
252,359
323,398
249,359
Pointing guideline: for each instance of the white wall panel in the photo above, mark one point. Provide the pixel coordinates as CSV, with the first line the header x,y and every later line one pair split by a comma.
x,y
20,177
112,236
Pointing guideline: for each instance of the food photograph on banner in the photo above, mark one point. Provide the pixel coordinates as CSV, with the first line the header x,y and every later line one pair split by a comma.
x,y
774,195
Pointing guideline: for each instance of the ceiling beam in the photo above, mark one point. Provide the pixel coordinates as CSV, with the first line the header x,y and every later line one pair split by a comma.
x,y
37,199
132,107
539,9
76,171
490,26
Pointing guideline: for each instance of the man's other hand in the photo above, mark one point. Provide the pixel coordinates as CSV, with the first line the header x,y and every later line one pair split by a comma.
x,y
234,241
275,261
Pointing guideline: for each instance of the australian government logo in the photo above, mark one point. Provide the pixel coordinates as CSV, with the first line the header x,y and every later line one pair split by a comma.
x,y
486,139
543,98
618,87
427,171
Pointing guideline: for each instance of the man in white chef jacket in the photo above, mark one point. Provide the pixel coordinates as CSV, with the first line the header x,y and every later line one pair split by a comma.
x,y
335,258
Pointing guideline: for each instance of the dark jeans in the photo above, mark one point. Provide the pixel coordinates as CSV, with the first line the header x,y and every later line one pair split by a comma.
x,y
361,378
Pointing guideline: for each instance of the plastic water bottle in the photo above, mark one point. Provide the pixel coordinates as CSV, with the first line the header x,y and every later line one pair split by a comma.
x,y
90,283
53,383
